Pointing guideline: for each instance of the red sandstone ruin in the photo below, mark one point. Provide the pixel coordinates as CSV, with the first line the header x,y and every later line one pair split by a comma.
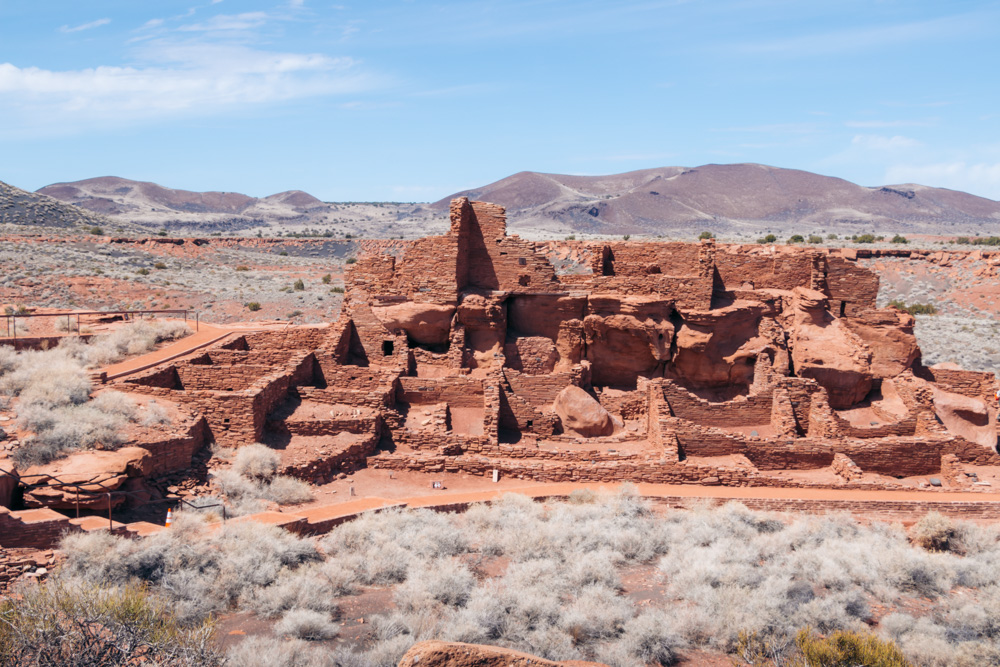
x,y
664,362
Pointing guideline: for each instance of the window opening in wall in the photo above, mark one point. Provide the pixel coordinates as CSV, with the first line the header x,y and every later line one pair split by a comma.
x,y
528,424
229,388
523,261
843,308
387,348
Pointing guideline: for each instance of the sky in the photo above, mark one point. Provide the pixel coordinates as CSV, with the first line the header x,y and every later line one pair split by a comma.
x,y
412,101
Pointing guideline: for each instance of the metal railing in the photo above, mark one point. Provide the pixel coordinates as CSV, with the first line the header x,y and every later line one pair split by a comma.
x,y
128,315
45,478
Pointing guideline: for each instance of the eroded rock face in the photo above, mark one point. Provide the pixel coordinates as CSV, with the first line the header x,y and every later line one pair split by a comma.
x,y
824,349
582,414
8,481
888,333
719,347
96,471
425,323
969,418
436,653
627,337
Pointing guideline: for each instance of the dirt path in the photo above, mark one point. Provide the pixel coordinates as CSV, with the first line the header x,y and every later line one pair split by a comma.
x,y
206,334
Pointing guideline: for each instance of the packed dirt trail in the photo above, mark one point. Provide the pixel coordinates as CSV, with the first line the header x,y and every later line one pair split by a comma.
x,y
205,335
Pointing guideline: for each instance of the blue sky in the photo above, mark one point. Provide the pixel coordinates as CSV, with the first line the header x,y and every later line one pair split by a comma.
x,y
413,100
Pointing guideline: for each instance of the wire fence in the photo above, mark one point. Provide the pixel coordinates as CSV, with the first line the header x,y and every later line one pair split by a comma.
x,y
44,479
11,317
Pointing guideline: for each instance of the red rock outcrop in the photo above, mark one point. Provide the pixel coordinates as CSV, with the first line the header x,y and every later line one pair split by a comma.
x,y
425,323
824,349
94,473
719,347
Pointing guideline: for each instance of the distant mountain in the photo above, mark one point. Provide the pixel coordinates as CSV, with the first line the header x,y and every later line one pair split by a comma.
x,y
154,204
730,199
30,209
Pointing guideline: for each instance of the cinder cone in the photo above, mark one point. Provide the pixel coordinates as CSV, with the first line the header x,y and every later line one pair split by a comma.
x,y
170,517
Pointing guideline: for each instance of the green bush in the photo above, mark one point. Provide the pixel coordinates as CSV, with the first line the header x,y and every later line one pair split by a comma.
x,y
159,265
915,308
283,253
848,649
770,238
298,285
899,239
81,624
293,314
571,237
796,238
242,267
351,260
326,279
626,237
97,231
253,306
337,290
143,271
832,237
865,238
706,235
815,239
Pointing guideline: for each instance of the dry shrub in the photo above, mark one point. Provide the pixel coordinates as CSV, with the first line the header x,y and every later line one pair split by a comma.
x,y
89,626
936,532
848,649
257,462
306,624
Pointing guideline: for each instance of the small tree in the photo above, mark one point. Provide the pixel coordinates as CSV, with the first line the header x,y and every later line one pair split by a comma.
x,y
796,238
326,279
253,306
706,235
815,239
298,285
626,237
899,239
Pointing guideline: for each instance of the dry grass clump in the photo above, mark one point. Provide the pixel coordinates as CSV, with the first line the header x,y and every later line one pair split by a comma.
x,y
129,340
197,572
53,392
253,478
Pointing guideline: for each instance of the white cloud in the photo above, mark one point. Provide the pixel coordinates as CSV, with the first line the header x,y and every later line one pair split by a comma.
x,y
85,26
177,78
876,124
228,22
982,178
877,142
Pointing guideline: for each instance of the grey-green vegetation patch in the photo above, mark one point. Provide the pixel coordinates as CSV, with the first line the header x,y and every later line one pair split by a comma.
x,y
555,584
53,392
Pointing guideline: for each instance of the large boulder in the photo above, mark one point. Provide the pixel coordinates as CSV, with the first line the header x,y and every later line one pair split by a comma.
x,y
826,350
582,414
425,323
436,653
84,478
966,417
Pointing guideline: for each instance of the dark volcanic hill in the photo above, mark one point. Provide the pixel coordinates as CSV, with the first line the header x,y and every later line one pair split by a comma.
x,y
729,199
30,209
